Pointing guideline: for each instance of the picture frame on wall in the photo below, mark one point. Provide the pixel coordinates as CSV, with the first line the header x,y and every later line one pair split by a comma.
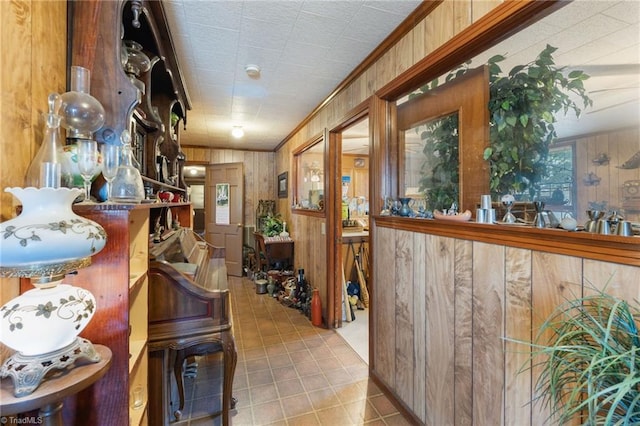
x,y
283,185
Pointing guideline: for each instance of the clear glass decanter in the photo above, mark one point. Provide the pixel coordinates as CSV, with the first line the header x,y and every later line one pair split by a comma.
x,y
127,186
45,170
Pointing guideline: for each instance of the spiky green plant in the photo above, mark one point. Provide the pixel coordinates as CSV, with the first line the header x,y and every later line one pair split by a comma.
x,y
591,367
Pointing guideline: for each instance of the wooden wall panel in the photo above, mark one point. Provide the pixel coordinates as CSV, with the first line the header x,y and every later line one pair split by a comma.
x,y
440,330
488,331
384,314
420,280
517,327
554,279
619,280
259,174
404,321
469,299
463,322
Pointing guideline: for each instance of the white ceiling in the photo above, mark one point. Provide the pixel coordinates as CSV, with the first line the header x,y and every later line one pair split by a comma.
x,y
303,48
306,48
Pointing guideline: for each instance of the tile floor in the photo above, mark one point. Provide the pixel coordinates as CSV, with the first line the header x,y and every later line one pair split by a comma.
x,y
288,373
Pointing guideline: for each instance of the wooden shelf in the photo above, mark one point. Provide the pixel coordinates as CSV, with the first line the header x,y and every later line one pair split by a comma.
x,y
136,349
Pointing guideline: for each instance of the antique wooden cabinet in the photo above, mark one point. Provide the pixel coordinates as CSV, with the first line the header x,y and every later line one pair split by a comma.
x,y
127,46
118,279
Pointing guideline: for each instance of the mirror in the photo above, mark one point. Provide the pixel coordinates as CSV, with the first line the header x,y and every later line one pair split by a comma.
x,y
309,169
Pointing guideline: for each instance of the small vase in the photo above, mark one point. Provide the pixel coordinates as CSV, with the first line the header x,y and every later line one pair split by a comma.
x,y
404,210
316,308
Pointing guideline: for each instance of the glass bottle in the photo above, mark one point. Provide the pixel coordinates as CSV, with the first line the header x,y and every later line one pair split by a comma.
x,y
45,169
127,186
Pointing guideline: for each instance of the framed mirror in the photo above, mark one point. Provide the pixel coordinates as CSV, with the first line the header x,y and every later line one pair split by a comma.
x,y
309,171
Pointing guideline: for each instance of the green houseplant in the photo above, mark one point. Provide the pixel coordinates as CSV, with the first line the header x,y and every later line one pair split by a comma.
x,y
591,362
522,107
272,225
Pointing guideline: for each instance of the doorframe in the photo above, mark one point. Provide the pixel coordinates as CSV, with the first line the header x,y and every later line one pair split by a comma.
x,y
334,210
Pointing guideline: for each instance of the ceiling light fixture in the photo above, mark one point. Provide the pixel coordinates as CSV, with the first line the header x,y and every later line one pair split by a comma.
x,y
253,71
237,132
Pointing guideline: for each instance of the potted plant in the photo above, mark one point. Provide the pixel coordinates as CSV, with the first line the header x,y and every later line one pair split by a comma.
x,y
272,225
522,106
591,363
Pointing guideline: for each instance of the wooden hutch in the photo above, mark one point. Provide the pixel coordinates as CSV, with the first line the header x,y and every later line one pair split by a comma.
x,y
153,106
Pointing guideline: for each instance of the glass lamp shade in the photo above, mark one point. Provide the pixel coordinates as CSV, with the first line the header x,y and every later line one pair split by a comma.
x,y
47,238
138,62
82,114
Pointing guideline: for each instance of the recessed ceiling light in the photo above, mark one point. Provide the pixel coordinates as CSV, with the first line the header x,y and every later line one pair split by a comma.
x,y
253,71
237,132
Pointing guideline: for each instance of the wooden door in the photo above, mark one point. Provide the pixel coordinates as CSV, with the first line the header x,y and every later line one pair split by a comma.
x,y
224,212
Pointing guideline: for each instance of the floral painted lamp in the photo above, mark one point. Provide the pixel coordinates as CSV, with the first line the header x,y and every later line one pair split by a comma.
x,y
44,243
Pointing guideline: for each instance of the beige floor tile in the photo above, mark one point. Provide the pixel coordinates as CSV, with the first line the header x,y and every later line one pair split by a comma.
x,y
288,373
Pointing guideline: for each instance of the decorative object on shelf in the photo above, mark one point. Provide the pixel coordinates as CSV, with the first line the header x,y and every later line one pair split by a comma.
x,y
456,217
137,63
602,159
631,163
44,243
81,113
88,164
45,170
127,185
591,179
594,217
507,201
110,162
539,221
284,233
404,210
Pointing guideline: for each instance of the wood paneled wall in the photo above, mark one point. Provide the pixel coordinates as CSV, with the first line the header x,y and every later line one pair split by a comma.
x,y
259,173
443,308
32,65
447,20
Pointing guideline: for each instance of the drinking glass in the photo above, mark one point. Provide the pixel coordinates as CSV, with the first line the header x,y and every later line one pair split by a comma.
x,y
87,154
110,162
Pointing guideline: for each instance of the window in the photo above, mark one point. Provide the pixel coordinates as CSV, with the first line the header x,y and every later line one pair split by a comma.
x,y
442,134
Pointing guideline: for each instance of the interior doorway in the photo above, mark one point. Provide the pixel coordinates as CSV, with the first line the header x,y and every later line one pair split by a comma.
x,y
194,177
354,233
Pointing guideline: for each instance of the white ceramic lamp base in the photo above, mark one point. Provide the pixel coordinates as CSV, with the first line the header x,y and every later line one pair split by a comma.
x,y
28,371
